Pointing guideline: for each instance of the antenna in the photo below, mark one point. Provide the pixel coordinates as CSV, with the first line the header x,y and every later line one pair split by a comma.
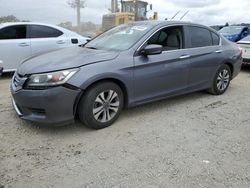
x,y
184,15
176,14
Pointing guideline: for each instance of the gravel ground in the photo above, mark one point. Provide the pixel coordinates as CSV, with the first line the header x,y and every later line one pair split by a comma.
x,y
196,140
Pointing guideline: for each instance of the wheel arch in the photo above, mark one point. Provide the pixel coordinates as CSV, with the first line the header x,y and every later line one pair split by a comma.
x,y
230,66
117,81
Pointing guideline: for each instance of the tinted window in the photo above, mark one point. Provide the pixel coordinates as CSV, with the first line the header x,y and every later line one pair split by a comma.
x,y
13,32
39,31
170,38
199,37
215,38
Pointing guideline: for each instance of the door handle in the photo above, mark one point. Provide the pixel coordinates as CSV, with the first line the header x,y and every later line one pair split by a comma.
x,y
23,44
185,56
218,51
60,42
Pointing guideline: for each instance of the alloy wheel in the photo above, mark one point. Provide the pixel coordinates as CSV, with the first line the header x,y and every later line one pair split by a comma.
x,y
106,106
223,80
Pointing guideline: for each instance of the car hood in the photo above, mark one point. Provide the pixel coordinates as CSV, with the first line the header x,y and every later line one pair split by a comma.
x,y
64,59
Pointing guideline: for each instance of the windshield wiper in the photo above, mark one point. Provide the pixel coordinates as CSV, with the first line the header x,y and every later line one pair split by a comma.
x,y
93,48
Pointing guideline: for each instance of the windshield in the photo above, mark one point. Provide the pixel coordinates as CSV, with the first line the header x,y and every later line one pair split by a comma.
x,y
119,38
231,29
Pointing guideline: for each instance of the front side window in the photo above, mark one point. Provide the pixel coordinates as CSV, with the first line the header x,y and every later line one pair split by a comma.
x,y
39,31
13,32
199,37
170,38
120,38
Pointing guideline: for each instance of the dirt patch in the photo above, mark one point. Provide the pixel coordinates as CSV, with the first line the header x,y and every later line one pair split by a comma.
x,y
196,140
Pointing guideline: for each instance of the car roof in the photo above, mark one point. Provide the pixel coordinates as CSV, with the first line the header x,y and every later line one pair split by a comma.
x,y
39,23
34,23
156,22
166,23
27,23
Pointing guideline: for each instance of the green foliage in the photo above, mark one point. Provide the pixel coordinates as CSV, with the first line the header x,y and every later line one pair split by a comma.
x,y
9,18
76,3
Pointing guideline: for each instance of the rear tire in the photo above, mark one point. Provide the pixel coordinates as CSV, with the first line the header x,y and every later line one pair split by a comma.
x,y
101,105
221,80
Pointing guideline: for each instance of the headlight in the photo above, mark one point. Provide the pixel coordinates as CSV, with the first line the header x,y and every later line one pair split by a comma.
x,y
50,79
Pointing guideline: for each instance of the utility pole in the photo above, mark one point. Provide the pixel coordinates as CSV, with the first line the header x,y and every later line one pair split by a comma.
x,y
77,4
136,10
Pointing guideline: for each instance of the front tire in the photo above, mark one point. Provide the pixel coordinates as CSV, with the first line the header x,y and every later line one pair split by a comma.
x,y
101,105
221,80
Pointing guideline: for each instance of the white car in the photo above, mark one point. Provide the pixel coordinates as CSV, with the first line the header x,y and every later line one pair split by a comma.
x,y
19,41
1,68
245,46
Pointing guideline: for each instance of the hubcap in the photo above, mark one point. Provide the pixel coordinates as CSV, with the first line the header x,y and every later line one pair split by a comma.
x,y
106,106
223,80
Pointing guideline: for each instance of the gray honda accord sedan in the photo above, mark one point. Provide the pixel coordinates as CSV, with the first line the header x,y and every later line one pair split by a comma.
x,y
126,66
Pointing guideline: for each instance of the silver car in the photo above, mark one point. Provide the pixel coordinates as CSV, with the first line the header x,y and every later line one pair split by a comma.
x,y
245,46
126,66
19,41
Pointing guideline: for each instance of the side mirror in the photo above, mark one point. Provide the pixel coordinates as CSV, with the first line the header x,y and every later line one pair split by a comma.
x,y
152,49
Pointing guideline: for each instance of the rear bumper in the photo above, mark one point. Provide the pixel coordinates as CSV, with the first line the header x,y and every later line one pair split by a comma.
x,y
246,61
54,106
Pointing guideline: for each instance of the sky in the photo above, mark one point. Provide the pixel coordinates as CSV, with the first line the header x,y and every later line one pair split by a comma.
x,y
207,12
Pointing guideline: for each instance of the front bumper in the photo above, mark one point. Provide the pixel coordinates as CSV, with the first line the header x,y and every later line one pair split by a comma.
x,y
55,105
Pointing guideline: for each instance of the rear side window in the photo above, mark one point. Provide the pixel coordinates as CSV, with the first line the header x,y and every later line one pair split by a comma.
x,y
13,32
215,38
39,31
199,37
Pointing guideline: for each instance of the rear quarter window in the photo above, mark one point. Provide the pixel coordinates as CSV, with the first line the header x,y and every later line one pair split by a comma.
x,y
199,37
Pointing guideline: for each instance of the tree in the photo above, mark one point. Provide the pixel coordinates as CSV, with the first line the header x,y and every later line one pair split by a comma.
x,y
9,18
77,4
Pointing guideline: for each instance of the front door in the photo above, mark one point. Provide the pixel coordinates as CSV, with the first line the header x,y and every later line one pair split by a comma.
x,y
163,74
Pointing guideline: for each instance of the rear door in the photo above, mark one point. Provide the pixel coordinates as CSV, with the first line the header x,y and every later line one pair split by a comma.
x,y
45,39
14,46
206,54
